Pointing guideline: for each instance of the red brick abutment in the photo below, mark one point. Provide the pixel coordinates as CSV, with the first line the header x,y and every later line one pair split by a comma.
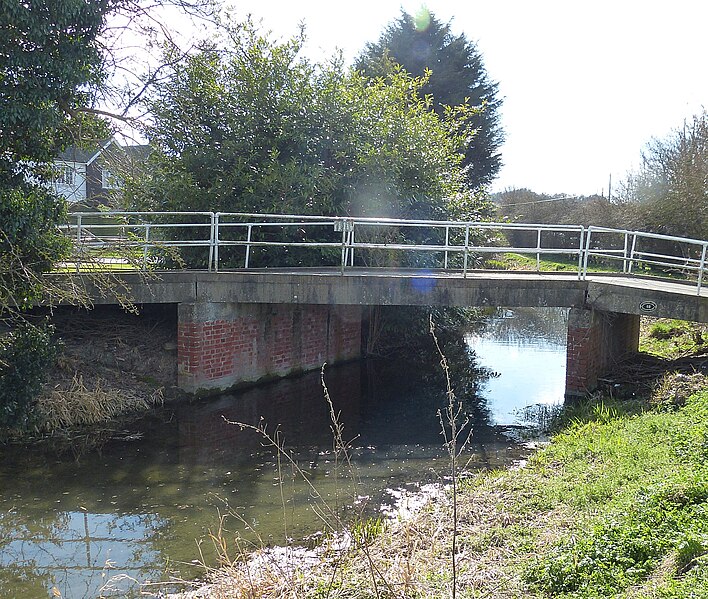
x,y
240,327
220,345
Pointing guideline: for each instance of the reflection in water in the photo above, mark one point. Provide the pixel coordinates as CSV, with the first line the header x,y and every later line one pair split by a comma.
x,y
136,508
527,348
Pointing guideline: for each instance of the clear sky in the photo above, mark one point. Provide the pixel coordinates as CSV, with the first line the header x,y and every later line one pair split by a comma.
x,y
585,84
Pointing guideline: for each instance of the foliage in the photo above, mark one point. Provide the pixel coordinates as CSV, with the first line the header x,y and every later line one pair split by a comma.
x,y
25,355
524,205
670,338
251,126
254,127
420,44
667,195
50,62
637,485
29,243
50,57
624,548
671,187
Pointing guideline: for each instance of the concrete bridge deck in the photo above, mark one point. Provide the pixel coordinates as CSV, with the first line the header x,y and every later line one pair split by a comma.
x,y
389,286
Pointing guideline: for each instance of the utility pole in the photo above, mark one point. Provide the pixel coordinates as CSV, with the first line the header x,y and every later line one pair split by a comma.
x,y
609,190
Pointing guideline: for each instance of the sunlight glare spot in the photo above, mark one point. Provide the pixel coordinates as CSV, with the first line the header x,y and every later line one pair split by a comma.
x,y
422,18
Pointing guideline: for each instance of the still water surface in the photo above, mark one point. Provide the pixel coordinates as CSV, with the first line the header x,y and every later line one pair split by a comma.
x,y
135,508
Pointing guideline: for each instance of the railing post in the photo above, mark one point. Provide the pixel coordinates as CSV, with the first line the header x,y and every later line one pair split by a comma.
x,y
447,243
145,245
78,243
538,251
248,246
213,236
626,247
580,253
631,253
467,249
351,242
344,246
702,266
346,251
586,254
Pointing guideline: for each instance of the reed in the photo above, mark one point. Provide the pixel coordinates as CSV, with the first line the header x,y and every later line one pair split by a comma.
x,y
76,404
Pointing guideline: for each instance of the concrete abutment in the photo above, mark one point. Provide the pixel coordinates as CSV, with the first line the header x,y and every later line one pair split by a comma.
x,y
221,344
596,340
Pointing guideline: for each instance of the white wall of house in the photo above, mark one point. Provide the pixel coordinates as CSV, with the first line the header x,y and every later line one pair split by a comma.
x,y
70,180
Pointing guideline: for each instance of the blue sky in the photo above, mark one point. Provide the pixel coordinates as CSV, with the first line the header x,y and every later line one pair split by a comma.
x,y
585,84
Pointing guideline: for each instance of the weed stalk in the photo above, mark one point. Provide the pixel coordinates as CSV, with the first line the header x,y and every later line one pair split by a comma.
x,y
452,431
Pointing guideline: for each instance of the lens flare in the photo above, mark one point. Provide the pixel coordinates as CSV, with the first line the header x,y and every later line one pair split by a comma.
x,y
424,284
422,18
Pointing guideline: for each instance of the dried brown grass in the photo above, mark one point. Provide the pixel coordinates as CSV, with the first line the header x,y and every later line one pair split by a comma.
x,y
76,404
411,556
674,388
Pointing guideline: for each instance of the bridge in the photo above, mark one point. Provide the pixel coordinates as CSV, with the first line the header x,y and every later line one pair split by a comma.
x,y
249,309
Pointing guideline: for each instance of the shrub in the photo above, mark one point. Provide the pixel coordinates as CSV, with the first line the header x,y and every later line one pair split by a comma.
x,y
667,330
25,355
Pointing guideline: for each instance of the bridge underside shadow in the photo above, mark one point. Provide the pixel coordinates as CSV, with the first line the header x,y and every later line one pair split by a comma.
x,y
243,326
224,345
596,341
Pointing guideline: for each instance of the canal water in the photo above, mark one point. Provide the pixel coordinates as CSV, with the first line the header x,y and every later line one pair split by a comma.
x,y
140,506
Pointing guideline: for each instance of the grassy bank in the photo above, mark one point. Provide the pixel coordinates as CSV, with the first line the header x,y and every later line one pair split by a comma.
x,y
615,506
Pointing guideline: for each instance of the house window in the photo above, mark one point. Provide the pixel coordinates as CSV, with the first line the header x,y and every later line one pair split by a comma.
x,y
109,180
65,175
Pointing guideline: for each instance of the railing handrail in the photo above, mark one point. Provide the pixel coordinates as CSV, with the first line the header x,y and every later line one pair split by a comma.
x,y
596,229
88,236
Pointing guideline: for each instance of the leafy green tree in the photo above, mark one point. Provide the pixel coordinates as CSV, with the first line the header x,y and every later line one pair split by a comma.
x,y
252,127
49,60
49,57
25,355
421,43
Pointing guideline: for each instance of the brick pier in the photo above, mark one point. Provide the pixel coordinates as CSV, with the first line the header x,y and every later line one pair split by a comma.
x,y
221,345
596,339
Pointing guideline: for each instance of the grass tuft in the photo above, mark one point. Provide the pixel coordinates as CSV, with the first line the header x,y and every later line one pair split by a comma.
x,y
62,408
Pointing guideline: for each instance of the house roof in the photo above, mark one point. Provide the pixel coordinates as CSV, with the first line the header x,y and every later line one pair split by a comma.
x,y
78,154
138,151
90,152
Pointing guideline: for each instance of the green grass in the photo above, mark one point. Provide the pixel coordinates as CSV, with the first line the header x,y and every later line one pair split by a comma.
x,y
84,267
635,484
548,263
669,338
561,263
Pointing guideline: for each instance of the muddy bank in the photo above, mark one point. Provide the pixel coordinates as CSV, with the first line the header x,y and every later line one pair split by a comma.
x,y
121,351
110,364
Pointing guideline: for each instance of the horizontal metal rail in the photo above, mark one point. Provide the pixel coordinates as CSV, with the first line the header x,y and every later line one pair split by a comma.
x,y
143,239
689,258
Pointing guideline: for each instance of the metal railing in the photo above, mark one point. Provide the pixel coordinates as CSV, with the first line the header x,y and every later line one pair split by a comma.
x,y
218,240
680,256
